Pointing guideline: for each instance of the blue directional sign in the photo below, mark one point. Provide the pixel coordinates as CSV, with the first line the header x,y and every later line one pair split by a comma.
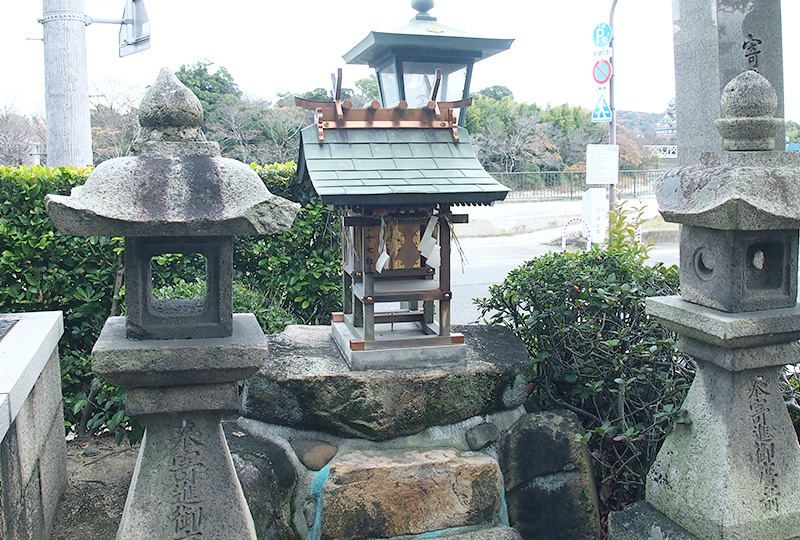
x,y
602,112
602,35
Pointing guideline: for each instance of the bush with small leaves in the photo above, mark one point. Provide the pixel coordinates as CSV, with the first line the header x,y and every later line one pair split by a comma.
x,y
597,353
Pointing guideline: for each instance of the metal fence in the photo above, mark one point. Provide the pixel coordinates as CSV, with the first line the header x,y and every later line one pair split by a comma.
x,y
537,186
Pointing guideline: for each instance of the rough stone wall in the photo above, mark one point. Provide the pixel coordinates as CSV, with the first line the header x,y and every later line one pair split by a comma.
x,y
33,461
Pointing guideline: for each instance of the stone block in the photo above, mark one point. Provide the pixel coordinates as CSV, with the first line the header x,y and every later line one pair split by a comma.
x,y
640,521
391,493
306,384
160,362
53,468
738,271
34,511
482,436
268,482
35,418
550,489
209,316
313,454
180,399
11,482
185,484
24,353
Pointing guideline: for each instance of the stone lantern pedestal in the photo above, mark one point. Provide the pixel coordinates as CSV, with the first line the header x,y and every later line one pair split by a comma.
x,y
184,482
731,471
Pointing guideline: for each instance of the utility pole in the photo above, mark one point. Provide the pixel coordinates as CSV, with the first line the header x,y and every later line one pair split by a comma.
x,y
66,79
612,126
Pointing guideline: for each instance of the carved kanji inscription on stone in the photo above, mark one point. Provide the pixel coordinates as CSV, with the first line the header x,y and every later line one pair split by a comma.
x,y
764,444
188,468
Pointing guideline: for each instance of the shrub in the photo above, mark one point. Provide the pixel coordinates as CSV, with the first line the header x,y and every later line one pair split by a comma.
x,y
294,276
597,353
302,267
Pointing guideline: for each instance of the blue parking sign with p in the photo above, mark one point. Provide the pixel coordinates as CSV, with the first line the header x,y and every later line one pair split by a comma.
x,y
602,35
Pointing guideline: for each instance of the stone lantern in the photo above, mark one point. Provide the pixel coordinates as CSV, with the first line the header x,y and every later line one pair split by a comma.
x,y
406,60
731,472
179,359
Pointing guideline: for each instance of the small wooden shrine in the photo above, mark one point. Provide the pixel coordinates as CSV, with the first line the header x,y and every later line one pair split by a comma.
x,y
394,174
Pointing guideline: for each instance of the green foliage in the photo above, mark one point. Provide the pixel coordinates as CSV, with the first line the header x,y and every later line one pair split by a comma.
x,y
368,87
43,270
301,266
290,277
270,315
597,353
792,131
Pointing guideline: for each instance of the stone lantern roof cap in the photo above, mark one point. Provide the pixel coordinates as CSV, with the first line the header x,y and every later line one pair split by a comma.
x,y
747,186
175,184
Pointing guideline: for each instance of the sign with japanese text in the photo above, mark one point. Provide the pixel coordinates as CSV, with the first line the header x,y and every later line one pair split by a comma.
x,y
602,163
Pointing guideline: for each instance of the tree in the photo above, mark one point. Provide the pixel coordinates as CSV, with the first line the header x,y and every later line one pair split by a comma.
x,y
368,91
510,136
793,131
112,132
213,89
20,137
497,92
571,129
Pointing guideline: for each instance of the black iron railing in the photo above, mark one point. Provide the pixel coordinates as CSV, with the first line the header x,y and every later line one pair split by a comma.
x,y
534,186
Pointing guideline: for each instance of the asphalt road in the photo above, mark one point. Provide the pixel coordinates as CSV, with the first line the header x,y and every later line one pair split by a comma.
x,y
489,259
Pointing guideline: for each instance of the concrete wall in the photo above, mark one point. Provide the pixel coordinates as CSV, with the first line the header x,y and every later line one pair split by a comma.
x,y
32,452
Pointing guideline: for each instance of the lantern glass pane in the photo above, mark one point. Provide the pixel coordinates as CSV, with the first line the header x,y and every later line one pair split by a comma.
x,y
390,91
420,77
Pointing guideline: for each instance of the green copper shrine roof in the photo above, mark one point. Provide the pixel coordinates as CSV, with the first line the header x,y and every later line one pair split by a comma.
x,y
395,166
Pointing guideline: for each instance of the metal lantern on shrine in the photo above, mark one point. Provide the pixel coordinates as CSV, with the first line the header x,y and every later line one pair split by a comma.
x,y
406,60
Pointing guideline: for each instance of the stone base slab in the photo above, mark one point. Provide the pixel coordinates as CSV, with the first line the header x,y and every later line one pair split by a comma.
x,y
729,330
173,362
388,357
306,384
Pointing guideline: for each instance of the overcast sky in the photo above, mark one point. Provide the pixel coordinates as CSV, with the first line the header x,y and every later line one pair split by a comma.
x,y
274,46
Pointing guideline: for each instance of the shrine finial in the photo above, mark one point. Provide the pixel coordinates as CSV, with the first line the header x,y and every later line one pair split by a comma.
x,y
423,7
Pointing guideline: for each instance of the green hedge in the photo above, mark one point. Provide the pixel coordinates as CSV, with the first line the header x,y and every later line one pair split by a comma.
x,y
290,277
